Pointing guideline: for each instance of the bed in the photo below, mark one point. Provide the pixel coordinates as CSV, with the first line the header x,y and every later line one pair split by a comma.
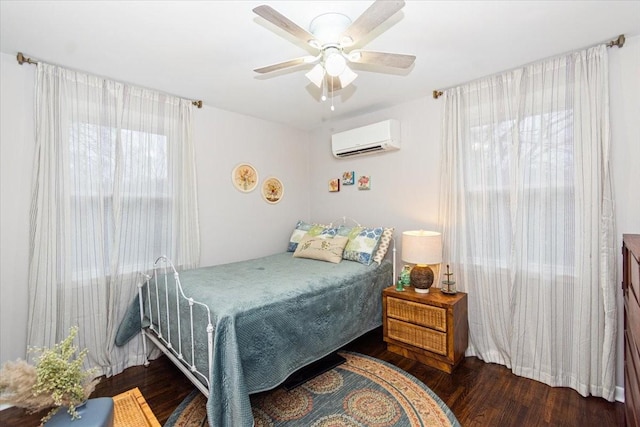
x,y
241,328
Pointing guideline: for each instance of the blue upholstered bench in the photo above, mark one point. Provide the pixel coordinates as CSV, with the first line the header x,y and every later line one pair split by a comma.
x,y
96,412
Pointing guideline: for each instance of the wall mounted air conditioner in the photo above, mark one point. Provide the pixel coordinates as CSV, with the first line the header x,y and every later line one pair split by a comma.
x,y
374,138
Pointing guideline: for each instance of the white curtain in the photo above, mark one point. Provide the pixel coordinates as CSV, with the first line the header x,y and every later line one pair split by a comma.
x,y
114,188
527,219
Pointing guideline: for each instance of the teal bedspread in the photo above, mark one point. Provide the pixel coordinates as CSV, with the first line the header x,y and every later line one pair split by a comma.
x,y
272,316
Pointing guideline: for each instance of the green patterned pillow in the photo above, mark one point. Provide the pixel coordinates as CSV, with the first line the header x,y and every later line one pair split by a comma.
x,y
322,248
303,228
362,244
344,230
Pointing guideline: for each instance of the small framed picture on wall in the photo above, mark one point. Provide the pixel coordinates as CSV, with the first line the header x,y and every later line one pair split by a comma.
x,y
334,185
364,182
348,178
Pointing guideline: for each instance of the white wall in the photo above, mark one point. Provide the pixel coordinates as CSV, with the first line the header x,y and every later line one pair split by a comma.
x,y
16,154
624,75
233,225
405,186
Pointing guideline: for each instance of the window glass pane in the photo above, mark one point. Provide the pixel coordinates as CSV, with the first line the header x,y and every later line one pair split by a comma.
x,y
143,194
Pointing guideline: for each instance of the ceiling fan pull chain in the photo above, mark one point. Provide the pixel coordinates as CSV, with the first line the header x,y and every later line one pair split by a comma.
x,y
332,107
324,88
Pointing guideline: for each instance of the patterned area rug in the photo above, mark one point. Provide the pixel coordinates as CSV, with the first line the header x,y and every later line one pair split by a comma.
x,y
361,392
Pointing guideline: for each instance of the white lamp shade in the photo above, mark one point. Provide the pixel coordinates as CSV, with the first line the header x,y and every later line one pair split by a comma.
x,y
316,75
347,77
334,63
422,247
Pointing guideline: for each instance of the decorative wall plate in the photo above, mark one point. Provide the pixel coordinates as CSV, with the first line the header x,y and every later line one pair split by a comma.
x,y
244,177
272,190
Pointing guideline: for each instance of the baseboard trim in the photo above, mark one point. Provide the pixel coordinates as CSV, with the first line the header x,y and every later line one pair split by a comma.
x,y
619,394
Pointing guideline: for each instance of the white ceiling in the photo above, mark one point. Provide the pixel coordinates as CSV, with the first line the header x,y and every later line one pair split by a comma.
x,y
208,49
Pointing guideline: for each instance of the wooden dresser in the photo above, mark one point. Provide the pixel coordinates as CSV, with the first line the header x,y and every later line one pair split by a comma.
x,y
631,294
430,328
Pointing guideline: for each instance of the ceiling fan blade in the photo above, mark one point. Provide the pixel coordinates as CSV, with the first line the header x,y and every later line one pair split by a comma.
x,y
395,60
371,18
286,64
276,18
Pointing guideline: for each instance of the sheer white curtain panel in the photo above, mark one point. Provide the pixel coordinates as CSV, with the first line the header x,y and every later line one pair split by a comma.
x,y
114,188
527,219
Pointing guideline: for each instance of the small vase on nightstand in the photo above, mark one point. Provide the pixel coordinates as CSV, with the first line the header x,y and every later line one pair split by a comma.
x,y
405,275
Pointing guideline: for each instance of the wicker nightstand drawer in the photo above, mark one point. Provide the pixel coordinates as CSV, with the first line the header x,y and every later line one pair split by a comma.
x,y
419,314
418,336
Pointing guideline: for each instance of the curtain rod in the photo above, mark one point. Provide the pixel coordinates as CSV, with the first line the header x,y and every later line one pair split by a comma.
x,y
619,42
25,60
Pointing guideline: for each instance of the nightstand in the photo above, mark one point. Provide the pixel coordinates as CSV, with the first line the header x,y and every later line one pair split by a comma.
x,y
430,328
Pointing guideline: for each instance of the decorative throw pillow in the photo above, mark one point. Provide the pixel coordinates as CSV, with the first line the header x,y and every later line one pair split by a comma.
x,y
383,245
322,248
329,231
362,244
344,230
299,232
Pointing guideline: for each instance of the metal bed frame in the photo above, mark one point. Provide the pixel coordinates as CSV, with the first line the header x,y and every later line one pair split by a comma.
x,y
155,333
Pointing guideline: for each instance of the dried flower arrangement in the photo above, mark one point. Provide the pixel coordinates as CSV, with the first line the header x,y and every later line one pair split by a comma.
x,y
56,380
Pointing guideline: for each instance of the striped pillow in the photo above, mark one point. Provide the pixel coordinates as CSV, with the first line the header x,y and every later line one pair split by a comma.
x,y
383,246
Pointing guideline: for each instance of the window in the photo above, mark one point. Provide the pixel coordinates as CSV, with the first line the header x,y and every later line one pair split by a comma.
x,y
530,159
118,177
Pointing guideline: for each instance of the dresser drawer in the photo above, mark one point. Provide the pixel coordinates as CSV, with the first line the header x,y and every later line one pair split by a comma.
x,y
417,336
631,293
634,279
632,379
419,314
633,316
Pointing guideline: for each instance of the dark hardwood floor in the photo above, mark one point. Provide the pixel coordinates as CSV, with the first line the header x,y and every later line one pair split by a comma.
x,y
478,393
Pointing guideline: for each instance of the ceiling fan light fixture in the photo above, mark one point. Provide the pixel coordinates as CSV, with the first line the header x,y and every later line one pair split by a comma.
x,y
334,63
316,75
328,27
347,77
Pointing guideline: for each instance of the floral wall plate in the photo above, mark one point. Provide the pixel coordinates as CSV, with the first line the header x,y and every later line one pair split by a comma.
x,y
244,177
272,190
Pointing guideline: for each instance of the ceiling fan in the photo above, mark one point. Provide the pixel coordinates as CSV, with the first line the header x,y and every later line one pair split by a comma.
x,y
333,35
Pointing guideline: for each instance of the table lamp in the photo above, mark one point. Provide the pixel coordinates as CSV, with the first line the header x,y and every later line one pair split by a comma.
x,y
422,248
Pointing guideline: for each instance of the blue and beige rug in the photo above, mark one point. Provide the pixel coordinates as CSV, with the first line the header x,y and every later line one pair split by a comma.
x,y
361,392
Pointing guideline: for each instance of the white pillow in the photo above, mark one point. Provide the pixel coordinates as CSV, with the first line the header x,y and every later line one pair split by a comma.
x,y
322,248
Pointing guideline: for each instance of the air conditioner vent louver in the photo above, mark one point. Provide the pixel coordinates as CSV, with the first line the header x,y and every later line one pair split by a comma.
x,y
374,138
358,151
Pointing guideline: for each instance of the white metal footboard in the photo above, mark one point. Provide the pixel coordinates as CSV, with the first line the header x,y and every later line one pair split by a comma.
x,y
154,332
